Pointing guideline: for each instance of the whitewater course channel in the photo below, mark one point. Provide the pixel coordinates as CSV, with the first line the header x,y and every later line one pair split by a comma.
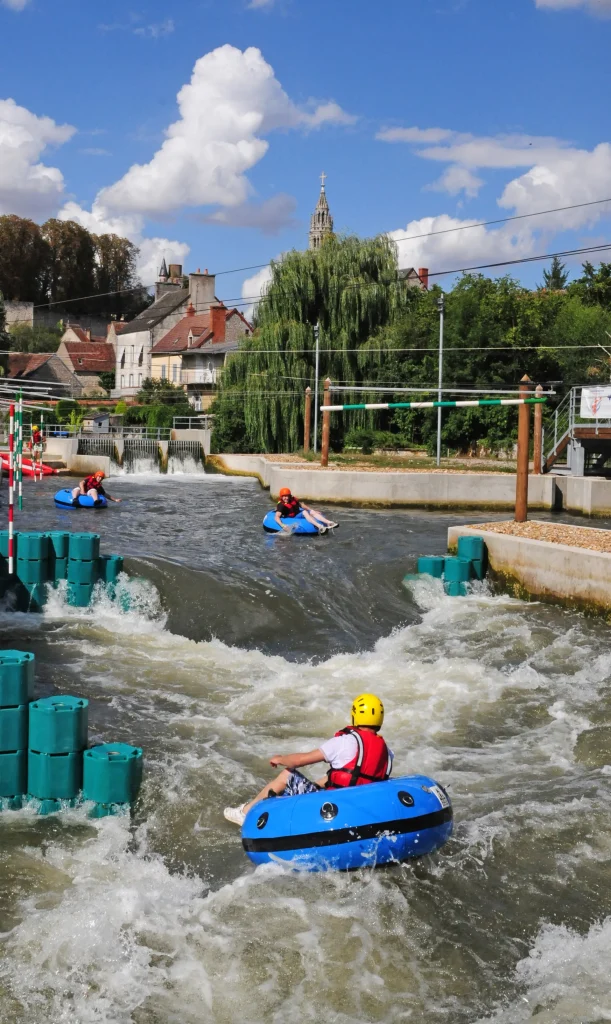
x,y
240,645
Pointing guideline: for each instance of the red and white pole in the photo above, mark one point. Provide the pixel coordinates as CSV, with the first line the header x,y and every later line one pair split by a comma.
x,y
11,488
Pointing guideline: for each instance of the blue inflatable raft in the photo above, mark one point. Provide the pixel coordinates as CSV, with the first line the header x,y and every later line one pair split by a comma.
x,y
64,499
298,524
354,827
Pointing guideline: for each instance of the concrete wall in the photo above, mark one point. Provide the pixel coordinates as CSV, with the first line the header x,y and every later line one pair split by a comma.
x,y
435,490
574,577
203,436
65,449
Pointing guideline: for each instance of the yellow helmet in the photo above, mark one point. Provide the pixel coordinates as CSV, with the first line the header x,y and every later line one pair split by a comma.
x,y
367,709
34,426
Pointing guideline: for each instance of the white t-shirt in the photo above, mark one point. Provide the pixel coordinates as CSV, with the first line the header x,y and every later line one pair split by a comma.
x,y
341,750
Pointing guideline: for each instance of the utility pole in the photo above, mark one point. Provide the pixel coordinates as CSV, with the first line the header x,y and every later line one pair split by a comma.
x,y
441,308
521,512
316,369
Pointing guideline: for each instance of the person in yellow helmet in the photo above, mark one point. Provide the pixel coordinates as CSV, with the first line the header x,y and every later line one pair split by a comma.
x,y
36,445
356,755
93,487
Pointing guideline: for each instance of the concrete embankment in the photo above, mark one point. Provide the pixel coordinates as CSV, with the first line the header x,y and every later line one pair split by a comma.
x,y
586,495
576,577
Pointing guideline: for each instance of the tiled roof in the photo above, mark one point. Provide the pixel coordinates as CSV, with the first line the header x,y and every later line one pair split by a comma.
x,y
83,336
177,339
219,346
150,317
20,364
91,357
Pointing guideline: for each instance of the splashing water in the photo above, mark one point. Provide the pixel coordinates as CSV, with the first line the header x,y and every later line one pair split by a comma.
x,y
160,919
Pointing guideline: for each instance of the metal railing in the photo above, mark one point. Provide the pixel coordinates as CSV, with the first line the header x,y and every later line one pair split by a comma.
x,y
192,422
560,424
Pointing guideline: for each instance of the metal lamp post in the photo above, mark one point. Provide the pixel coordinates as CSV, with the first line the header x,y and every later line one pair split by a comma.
x,y
441,308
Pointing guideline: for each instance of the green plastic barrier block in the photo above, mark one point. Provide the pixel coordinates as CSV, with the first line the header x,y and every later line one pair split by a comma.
x,y
457,570
14,728
58,569
109,567
58,544
82,572
36,597
32,571
34,546
112,773
472,548
58,725
454,588
84,546
431,566
80,594
13,773
16,678
54,776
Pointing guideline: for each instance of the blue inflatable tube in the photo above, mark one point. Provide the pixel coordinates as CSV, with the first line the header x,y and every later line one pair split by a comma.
x,y
64,499
297,524
353,827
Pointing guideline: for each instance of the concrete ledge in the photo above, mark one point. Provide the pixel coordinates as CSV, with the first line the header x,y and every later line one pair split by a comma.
x,y
395,488
573,577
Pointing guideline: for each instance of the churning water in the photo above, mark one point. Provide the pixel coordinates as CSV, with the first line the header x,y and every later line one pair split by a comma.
x,y
239,645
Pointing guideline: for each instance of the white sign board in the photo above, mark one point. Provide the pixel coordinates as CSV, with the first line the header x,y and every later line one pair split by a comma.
x,y
596,403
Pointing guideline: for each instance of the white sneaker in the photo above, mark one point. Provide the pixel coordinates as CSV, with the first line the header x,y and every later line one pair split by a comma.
x,y
235,814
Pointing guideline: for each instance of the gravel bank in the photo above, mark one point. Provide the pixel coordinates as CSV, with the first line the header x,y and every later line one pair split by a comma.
x,y
557,533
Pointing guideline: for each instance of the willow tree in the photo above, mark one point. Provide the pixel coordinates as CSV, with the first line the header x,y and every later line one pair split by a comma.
x,y
350,289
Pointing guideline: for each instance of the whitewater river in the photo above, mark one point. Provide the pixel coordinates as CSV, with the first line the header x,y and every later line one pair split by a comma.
x,y
240,646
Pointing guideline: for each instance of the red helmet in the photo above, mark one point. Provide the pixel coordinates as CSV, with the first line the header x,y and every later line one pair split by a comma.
x,y
284,492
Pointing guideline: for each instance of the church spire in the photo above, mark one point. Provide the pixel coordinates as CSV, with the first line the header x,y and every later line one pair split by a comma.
x,y
321,221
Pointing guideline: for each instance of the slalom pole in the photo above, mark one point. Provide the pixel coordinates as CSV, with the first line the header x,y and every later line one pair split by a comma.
x,y
11,487
436,405
20,450
42,431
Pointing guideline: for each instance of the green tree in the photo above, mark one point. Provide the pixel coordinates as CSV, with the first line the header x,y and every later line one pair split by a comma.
x,y
594,286
24,257
24,338
555,279
107,380
116,278
71,268
350,288
4,339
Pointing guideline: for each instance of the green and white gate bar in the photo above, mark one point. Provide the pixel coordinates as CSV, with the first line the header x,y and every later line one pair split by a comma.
x,y
435,405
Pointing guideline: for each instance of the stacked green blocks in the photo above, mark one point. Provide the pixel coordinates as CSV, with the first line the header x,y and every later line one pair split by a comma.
x,y
4,574
57,739
83,559
32,567
58,556
16,686
456,571
112,774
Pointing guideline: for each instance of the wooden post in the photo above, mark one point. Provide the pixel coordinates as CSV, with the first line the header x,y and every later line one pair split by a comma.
x,y
326,425
538,434
521,513
307,420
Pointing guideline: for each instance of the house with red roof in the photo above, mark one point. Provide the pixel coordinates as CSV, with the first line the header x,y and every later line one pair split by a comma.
x,y
87,360
46,369
193,352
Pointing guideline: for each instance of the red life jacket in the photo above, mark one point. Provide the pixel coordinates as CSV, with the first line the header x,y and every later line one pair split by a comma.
x,y
372,762
288,509
36,437
92,484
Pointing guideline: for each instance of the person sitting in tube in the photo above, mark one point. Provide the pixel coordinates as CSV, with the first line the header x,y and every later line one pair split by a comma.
x,y
288,507
92,487
357,755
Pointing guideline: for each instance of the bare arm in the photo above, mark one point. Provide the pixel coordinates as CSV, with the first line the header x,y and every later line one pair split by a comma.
x,y
278,519
82,486
292,761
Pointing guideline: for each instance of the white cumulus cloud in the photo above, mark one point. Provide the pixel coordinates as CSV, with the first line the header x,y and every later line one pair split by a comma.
x,y
457,179
15,5
600,7
27,186
253,288
270,216
231,103
447,243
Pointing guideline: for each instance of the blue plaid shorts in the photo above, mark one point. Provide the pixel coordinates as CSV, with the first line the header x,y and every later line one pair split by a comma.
x,y
297,785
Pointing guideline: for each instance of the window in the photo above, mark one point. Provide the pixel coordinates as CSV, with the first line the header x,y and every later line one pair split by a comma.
x,y
141,357
122,380
139,379
164,372
132,354
122,358
174,371
131,380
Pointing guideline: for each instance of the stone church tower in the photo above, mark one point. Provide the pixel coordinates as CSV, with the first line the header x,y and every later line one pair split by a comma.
x,y
321,221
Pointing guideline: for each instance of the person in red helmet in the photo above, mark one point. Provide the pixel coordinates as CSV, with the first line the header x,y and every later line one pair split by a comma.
x,y
288,507
93,487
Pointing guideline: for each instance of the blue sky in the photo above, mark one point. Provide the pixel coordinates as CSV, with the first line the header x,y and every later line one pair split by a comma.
x,y
200,129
